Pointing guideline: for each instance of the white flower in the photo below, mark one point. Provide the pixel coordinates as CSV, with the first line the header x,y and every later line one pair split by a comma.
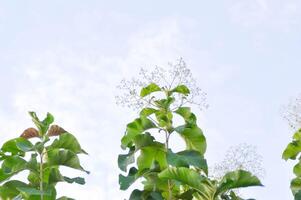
x,y
175,74
292,113
242,156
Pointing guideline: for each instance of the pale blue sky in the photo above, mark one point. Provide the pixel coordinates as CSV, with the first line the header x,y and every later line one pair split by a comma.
x,y
66,57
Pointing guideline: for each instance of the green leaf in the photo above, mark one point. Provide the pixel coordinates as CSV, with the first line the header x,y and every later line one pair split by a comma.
x,y
297,169
65,198
67,141
67,158
149,89
187,115
126,181
297,135
298,195
78,180
145,195
187,158
292,150
165,103
126,159
17,146
164,118
9,189
138,126
237,179
151,154
194,138
145,112
11,166
296,185
191,178
42,125
182,89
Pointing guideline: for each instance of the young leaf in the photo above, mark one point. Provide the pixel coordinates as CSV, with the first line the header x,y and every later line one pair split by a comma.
x,y
149,89
67,141
182,89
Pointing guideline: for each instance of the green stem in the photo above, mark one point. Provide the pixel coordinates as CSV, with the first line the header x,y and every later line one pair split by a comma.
x,y
167,134
41,176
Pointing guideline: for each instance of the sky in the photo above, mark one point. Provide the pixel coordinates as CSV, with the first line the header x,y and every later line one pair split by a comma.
x,y
66,57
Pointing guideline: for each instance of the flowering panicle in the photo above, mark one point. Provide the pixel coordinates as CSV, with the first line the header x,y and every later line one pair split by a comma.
x,y
242,156
168,78
292,113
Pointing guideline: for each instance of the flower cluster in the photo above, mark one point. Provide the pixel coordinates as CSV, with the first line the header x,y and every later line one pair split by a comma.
x,y
175,74
242,156
292,113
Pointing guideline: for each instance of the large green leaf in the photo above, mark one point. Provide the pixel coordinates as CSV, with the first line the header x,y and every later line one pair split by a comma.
x,y
140,141
57,157
138,126
9,189
182,89
145,195
11,166
187,158
151,154
149,89
17,146
126,181
191,178
126,159
67,141
237,179
194,138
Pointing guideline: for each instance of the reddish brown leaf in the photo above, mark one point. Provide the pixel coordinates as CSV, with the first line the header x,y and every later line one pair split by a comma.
x,y
55,130
30,133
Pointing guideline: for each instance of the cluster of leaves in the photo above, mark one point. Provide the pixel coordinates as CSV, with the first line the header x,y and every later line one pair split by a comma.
x,y
292,152
41,159
167,174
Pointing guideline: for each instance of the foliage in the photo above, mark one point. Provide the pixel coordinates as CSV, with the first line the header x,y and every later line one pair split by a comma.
x,y
53,147
292,152
167,174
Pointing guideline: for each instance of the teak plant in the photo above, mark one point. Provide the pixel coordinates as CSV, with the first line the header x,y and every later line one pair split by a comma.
x,y
53,147
167,174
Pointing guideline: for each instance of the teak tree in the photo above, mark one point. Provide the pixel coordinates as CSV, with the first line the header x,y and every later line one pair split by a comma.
x,y
41,159
167,174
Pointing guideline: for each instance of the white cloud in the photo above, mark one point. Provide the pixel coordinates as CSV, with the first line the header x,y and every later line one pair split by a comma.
x,y
281,15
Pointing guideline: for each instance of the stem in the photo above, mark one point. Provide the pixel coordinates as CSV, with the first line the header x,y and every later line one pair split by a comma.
x,y
167,134
41,176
